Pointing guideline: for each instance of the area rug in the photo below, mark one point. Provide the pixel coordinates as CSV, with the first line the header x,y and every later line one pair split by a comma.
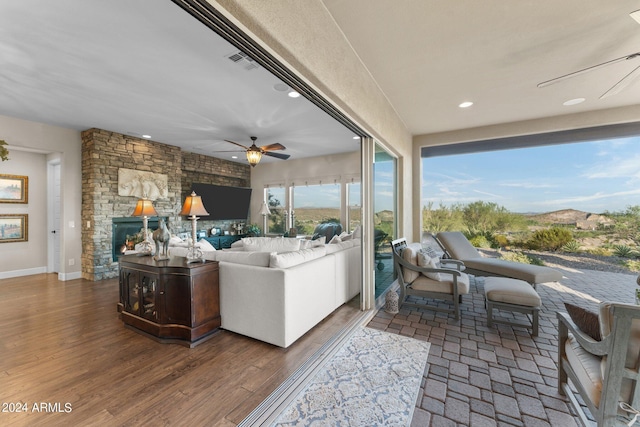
x,y
373,380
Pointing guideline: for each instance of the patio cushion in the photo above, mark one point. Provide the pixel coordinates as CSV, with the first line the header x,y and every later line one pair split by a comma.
x,y
423,283
606,323
511,291
587,321
527,272
587,368
410,254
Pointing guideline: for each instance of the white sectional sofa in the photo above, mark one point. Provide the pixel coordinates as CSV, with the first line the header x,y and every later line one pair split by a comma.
x,y
273,292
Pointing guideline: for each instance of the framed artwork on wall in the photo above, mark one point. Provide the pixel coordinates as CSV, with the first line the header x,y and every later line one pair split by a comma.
x,y
14,228
14,189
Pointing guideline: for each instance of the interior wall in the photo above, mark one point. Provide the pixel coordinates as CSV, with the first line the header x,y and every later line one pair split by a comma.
x,y
43,138
34,166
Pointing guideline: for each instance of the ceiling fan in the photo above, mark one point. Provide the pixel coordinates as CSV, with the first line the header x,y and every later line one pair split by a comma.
x,y
255,153
623,83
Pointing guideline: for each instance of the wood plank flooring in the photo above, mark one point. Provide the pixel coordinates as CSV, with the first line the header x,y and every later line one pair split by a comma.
x,y
63,345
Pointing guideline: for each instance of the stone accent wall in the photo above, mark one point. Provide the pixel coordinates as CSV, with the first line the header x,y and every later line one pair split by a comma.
x,y
103,153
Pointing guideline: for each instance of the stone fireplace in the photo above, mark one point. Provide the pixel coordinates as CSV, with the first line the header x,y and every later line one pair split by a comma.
x,y
103,154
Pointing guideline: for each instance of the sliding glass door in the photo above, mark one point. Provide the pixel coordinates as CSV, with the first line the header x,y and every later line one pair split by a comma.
x,y
384,216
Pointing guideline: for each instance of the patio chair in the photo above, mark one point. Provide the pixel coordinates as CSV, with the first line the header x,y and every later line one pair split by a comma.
x,y
427,282
604,373
456,246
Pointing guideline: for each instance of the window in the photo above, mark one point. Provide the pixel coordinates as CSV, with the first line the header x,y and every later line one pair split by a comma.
x,y
276,200
315,204
354,206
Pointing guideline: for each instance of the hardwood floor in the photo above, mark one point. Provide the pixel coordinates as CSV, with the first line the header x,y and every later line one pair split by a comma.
x,y
67,358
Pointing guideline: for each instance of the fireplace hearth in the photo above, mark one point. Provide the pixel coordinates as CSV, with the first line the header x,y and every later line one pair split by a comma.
x,y
127,226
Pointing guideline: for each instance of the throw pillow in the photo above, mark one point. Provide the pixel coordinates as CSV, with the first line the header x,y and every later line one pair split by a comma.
x,y
587,321
335,239
205,245
430,251
425,260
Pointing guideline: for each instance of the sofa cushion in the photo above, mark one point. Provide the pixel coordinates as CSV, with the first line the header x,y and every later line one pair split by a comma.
x,y
259,259
337,247
306,244
205,245
335,239
270,244
289,259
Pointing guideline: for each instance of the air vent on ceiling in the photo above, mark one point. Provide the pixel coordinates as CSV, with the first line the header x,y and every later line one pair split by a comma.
x,y
244,60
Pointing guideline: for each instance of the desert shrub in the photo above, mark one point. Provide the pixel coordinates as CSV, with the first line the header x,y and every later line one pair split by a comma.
x,y
623,251
480,241
571,247
501,240
550,239
518,256
600,251
633,265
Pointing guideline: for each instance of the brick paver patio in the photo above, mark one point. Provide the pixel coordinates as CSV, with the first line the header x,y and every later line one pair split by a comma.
x,y
500,376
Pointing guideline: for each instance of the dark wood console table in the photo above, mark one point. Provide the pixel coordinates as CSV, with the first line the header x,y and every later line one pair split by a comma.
x,y
170,300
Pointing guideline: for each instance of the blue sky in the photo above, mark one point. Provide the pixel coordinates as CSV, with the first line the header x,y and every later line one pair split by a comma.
x,y
590,176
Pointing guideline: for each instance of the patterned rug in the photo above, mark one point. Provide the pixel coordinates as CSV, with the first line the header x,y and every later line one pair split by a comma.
x,y
373,380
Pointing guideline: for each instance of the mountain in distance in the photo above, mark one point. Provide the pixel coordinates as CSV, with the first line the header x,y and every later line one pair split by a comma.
x,y
585,220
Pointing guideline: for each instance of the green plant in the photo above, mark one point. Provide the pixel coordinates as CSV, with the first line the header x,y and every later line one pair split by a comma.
x,y
4,153
571,247
253,230
480,241
599,251
518,256
550,239
501,241
623,251
633,265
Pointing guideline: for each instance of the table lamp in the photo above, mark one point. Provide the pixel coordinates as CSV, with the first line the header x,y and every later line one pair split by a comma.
x,y
145,209
192,207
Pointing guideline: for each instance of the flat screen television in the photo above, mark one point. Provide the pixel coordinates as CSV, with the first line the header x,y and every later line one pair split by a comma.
x,y
224,202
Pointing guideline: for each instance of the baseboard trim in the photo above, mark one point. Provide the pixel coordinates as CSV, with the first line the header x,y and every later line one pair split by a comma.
x,y
69,276
25,272
270,408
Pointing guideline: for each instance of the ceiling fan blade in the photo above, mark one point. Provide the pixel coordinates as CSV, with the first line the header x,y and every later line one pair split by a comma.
x,y
588,69
626,81
277,155
240,145
273,147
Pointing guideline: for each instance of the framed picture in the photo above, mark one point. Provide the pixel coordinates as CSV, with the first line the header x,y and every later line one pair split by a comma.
x,y
14,189
14,228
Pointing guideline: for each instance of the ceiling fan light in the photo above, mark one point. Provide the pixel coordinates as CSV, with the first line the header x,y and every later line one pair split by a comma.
x,y
254,156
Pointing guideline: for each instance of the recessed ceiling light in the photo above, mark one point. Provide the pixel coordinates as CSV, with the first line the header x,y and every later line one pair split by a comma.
x,y
293,94
281,87
146,136
466,104
573,101
234,157
635,15
356,137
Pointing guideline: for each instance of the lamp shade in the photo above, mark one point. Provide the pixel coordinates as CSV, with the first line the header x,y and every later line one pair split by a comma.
x,y
193,206
264,210
254,154
144,207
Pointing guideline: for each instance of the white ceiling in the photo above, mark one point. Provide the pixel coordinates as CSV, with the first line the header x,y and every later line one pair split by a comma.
x,y
116,66
430,55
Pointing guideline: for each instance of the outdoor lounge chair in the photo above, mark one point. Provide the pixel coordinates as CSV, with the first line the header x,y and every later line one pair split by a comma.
x,y
432,283
604,373
456,246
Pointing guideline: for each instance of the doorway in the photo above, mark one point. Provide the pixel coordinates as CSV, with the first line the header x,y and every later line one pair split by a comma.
x,y
53,217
